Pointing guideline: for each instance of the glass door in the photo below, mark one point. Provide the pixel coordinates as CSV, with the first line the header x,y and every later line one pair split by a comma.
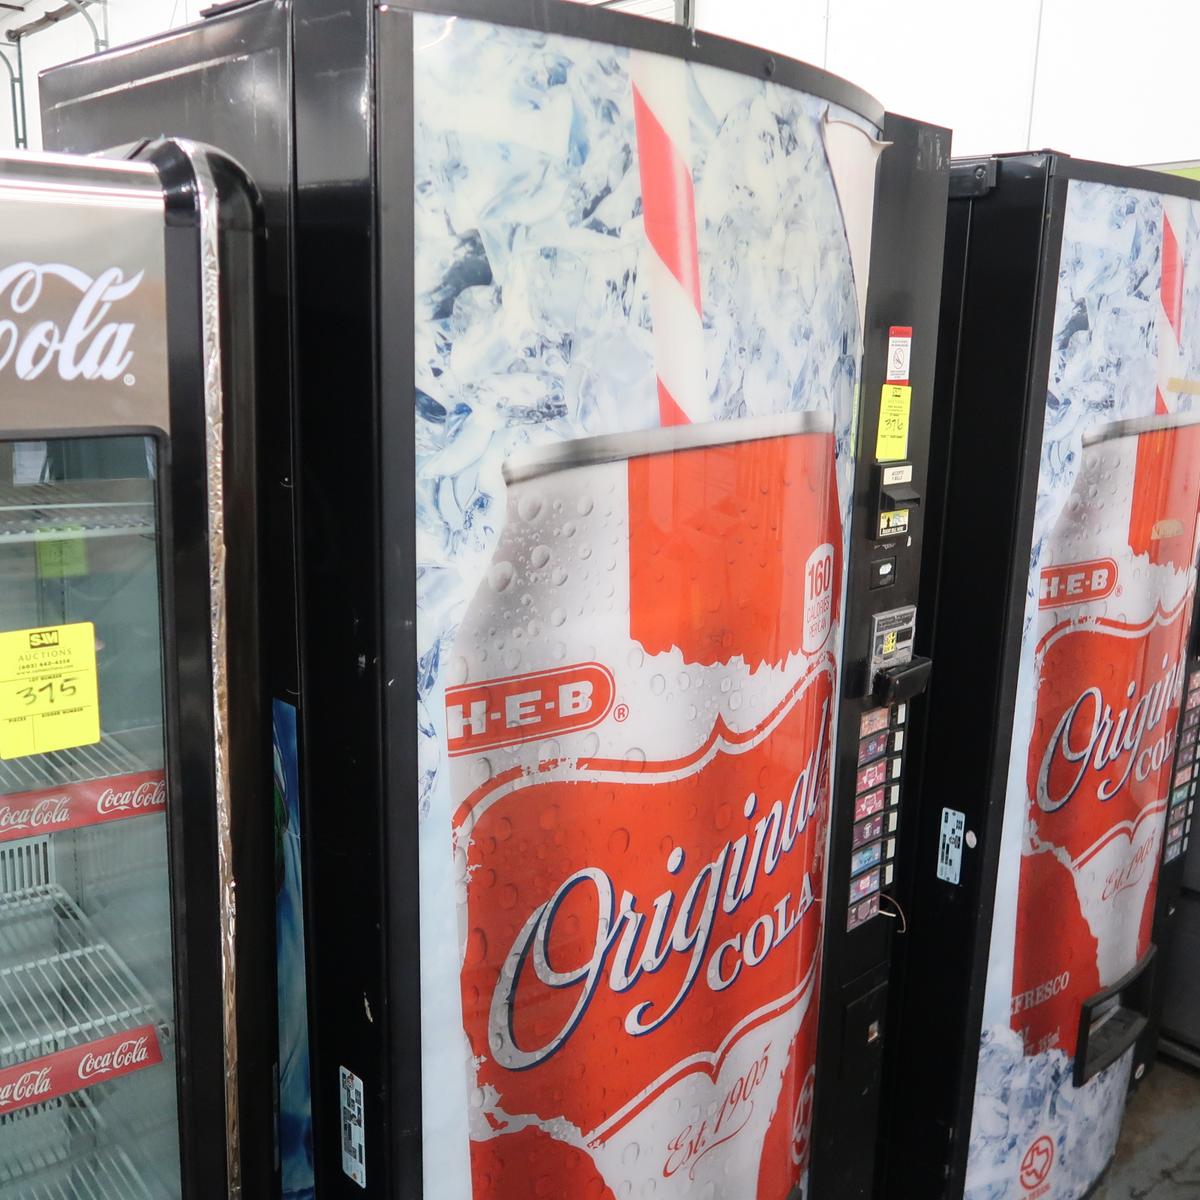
x,y
88,1103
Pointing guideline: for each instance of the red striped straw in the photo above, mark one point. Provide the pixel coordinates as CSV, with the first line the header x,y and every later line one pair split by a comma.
x,y
660,108
1170,298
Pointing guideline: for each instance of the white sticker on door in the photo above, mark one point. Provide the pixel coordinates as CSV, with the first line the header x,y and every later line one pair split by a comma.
x,y
949,864
354,1152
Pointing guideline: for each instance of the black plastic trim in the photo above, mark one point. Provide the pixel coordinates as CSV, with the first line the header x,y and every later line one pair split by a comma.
x,y
192,827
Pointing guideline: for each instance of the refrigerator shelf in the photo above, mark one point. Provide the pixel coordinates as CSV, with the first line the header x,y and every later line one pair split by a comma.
x,y
54,511
61,985
115,754
63,1149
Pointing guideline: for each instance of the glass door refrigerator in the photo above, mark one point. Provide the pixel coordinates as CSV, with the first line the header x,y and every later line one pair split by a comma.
x,y
1057,752
609,356
134,793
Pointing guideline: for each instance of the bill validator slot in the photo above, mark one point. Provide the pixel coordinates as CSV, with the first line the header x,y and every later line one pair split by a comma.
x,y
896,500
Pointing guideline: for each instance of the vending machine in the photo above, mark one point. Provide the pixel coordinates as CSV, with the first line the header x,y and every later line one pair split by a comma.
x,y
1055,761
610,358
135,844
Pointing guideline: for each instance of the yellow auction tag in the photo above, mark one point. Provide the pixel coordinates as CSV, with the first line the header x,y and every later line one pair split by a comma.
x,y
49,699
891,443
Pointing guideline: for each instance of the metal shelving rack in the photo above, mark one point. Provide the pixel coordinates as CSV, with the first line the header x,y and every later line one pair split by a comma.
x,y
65,1152
61,984
115,754
48,511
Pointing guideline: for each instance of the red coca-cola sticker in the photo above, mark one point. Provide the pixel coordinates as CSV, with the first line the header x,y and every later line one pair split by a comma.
x,y
525,708
79,1067
76,805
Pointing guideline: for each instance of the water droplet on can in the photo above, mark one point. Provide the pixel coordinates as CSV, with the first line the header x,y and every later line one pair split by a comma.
x,y
529,507
500,575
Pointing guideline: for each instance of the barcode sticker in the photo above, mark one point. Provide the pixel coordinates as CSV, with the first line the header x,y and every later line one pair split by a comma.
x,y
354,1150
949,864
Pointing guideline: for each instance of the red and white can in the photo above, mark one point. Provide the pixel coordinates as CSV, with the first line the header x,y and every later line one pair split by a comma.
x,y
1114,610
639,735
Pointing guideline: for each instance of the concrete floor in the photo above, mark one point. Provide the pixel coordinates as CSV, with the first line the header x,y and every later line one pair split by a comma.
x,y
1158,1157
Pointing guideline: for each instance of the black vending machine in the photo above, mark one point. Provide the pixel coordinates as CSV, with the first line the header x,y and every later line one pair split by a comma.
x,y
136,1047
601,358
1056,753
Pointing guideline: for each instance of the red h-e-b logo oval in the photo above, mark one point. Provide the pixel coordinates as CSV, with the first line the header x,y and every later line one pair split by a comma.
x,y
1077,583
525,708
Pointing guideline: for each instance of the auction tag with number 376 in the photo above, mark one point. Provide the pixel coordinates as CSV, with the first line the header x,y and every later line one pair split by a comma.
x,y
48,693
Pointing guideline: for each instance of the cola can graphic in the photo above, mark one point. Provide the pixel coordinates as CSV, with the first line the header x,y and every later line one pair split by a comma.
x,y
639,737
1114,609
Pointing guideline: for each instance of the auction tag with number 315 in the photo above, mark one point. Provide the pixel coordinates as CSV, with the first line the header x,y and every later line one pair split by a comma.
x,y
48,693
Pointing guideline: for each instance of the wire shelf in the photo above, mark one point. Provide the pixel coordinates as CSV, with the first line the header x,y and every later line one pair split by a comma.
x,y
63,1151
61,985
48,511
124,753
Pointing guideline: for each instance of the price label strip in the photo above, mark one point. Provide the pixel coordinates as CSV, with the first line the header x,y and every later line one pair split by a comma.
x,y
49,699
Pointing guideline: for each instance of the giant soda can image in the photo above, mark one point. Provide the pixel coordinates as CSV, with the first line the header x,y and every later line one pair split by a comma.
x,y
639,737
1113,615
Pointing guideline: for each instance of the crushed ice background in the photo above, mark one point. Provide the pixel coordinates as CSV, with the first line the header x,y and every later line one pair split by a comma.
x,y
1103,367
533,324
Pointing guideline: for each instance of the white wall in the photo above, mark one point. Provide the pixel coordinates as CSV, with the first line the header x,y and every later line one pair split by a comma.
x,y
1114,77
128,21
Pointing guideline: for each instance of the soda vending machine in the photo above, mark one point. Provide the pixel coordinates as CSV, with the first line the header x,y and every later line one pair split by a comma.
x,y
1058,743
611,347
134,810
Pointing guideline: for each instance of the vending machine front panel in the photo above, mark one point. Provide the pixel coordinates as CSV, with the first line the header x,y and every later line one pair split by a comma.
x,y
633,506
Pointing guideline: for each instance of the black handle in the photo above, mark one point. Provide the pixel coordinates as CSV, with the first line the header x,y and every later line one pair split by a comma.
x,y
1112,1020
903,681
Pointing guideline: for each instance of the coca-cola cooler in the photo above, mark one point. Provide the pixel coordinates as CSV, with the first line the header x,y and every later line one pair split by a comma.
x,y
1056,751
609,350
135,1056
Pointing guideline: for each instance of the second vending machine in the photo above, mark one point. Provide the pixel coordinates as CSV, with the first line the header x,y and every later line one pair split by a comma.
x,y
1057,758
613,351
